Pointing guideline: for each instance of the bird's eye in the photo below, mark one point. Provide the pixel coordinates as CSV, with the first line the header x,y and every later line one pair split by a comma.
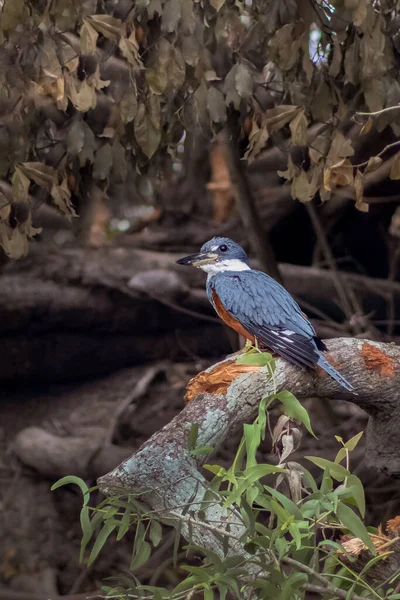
x,y
223,248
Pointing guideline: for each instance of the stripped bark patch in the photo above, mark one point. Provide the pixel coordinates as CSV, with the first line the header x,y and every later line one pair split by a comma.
x,y
377,360
216,381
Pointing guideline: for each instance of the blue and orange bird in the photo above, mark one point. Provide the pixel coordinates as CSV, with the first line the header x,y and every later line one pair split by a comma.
x,y
258,307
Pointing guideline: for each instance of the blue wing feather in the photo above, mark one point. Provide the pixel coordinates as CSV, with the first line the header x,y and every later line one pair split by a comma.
x,y
267,311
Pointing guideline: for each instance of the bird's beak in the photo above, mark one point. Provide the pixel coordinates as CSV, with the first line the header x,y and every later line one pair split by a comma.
x,y
199,259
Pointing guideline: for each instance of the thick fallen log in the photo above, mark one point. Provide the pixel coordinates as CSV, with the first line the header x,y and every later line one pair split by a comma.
x,y
168,476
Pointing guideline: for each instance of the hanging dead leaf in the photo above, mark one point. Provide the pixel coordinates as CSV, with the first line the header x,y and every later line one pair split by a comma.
x,y
217,4
61,196
176,69
339,174
373,163
395,169
156,73
14,241
89,145
216,105
305,185
130,49
258,139
81,94
359,191
128,105
340,148
75,138
359,10
298,129
366,128
285,46
43,175
48,59
119,166
103,162
278,117
230,88
243,81
20,186
107,25
291,171
96,82
191,50
319,146
88,37
147,136
5,207
171,16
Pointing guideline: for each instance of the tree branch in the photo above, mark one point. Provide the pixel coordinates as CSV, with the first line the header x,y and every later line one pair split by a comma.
x,y
167,474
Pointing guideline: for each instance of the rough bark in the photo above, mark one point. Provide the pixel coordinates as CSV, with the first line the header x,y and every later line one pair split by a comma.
x,y
168,476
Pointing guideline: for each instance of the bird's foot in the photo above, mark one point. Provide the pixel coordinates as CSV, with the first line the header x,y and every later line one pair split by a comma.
x,y
248,348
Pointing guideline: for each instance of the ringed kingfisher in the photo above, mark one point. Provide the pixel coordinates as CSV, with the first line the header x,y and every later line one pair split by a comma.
x,y
258,307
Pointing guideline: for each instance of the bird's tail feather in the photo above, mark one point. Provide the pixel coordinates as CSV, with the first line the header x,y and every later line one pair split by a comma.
x,y
326,366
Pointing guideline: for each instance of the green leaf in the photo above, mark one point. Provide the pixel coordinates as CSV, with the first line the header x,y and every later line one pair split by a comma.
x,y
258,359
288,504
208,594
142,555
177,540
353,523
155,533
255,472
202,451
283,515
216,469
354,484
252,439
74,481
101,539
296,535
200,573
294,409
352,443
338,472
349,446
192,437
87,530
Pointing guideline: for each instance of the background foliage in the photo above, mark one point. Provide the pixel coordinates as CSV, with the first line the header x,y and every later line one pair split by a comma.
x,y
91,90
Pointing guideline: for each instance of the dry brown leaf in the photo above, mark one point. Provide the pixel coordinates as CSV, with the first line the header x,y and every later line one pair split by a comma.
x,y
395,169
366,128
278,117
88,38
342,173
61,196
20,186
373,163
107,25
298,129
41,174
359,190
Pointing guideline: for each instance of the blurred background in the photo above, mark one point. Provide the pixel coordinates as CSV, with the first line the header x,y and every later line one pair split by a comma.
x,y
130,134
